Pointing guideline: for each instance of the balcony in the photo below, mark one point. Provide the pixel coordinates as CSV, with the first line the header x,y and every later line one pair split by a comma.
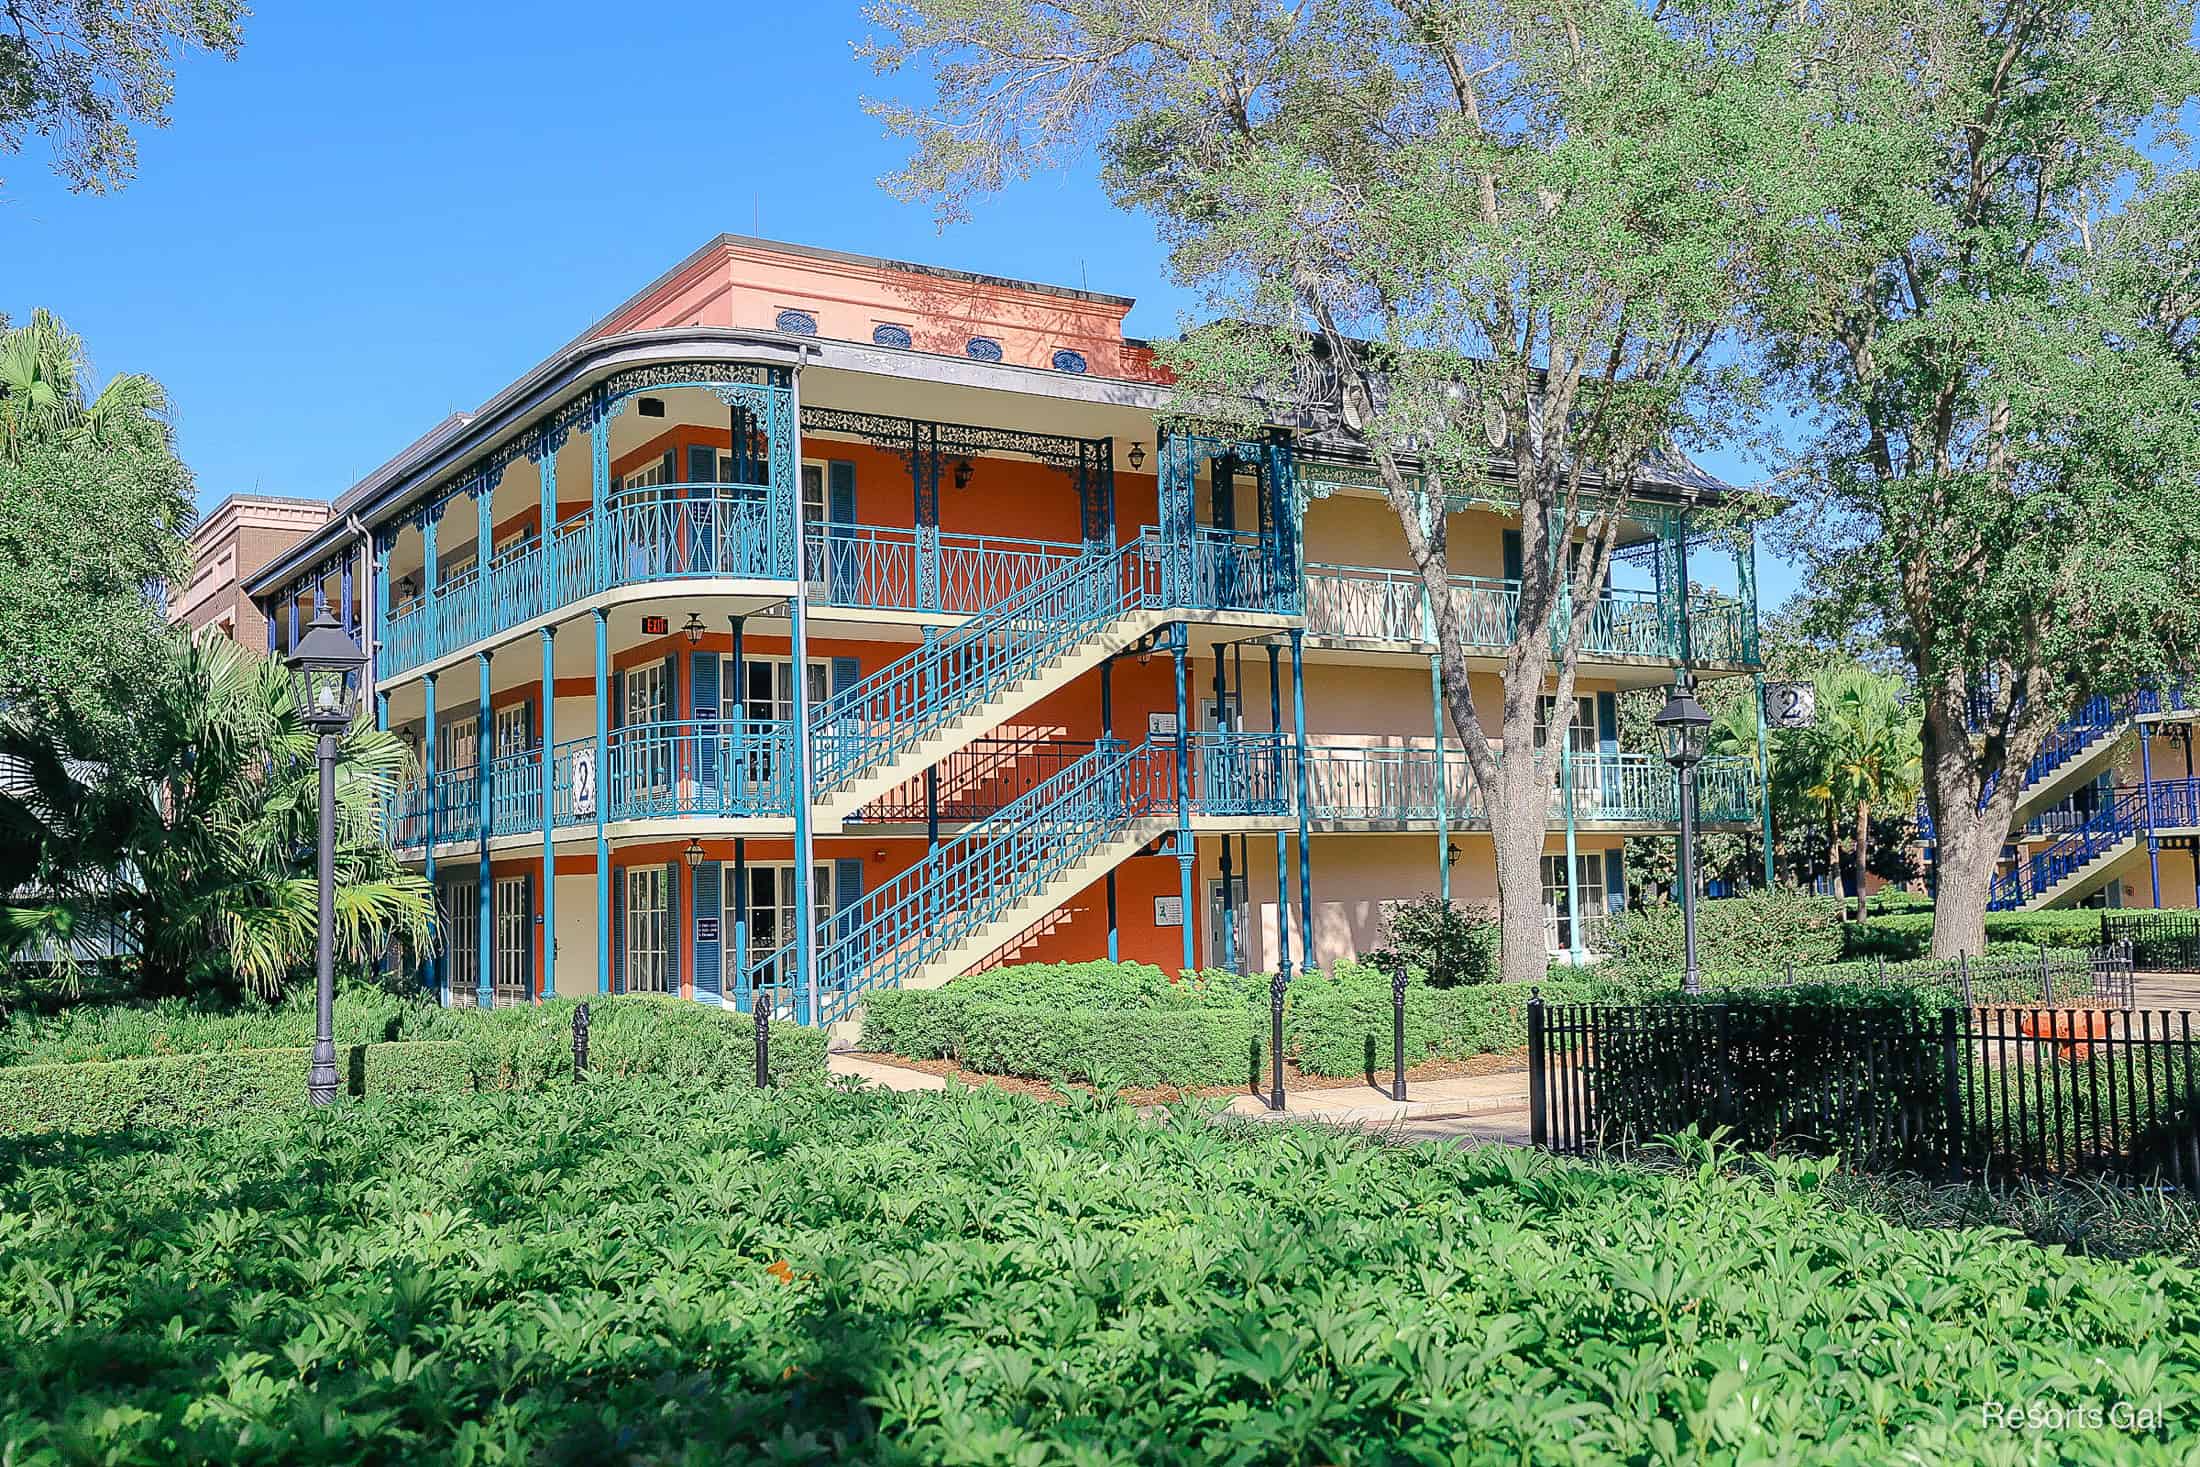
x,y
1374,603
1386,785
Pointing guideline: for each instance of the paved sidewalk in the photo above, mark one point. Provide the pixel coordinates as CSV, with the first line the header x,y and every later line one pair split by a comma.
x,y
886,1077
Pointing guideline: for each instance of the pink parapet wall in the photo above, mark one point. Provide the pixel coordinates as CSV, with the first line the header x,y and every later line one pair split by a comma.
x,y
745,283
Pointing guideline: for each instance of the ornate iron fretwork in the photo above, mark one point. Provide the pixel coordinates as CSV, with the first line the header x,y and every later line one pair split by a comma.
x,y
898,434
795,323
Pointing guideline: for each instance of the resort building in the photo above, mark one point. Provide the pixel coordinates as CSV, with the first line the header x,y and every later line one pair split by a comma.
x,y
817,614
243,531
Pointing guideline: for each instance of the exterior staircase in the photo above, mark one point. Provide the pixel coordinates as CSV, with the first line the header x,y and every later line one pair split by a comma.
x,y
994,880
874,735
2068,869
2077,750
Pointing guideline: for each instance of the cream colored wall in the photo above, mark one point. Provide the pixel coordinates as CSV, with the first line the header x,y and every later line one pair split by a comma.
x,y
1352,530
1353,876
575,975
1352,704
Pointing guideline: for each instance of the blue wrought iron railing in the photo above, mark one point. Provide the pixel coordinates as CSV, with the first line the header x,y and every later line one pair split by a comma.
x,y
1384,604
2120,820
881,716
2085,732
1385,784
900,568
682,767
975,781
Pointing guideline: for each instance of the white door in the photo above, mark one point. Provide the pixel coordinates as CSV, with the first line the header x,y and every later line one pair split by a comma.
x,y
514,980
1230,953
461,942
648,935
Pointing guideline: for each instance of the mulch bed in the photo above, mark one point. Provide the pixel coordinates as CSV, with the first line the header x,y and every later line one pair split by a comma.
x,y
1293,1078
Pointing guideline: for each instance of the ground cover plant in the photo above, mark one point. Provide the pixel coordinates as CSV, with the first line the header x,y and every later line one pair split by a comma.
x,y
626,1272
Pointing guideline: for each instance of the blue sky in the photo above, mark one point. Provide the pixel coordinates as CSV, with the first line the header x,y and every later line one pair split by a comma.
x,y
380,214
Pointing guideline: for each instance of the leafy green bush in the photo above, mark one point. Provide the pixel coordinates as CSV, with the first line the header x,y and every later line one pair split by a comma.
x,y
631,1273
1901,936
1759,929
1450,944
520,1048
1332,1018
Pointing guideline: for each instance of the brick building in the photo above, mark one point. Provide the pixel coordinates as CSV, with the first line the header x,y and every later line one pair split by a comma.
x,y
241,534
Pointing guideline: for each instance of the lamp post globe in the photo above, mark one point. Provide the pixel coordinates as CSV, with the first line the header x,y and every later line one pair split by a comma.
x,y
325,670
1684,727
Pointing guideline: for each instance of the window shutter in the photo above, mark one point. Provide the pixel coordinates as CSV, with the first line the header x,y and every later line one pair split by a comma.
x,y
1615,881
702,466
673,945
530,728
703,694
840,492
709,960
847,671
672,468
618,698
618,929
1608,723
847,893
1512,555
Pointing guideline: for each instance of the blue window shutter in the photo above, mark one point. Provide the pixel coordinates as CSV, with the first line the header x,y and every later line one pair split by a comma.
x,y
672,686
672,467
618,929
672,926
709,959
703,692
1512,555
618,698
1615,881
846,671
702,464
527,932
1608,723
840,492
847,892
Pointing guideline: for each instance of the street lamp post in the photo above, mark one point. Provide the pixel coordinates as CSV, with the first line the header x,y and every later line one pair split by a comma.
x,y
1685,727
324,669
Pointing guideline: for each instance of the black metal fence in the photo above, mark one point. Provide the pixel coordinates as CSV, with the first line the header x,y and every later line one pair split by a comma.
x,y
1998,1093
2161,942
2045,975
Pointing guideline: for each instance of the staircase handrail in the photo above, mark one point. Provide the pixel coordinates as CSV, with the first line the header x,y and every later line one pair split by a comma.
x,y
2112,824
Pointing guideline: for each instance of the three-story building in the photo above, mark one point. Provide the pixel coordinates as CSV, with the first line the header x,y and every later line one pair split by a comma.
x,y
820,614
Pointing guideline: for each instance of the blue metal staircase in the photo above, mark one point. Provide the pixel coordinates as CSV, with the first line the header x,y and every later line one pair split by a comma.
x,y
875,733
2090,847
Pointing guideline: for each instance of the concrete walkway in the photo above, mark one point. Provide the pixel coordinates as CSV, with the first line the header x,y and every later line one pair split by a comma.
x,y
886,1077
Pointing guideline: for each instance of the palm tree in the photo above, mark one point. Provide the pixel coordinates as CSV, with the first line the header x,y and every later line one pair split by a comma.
x,y
42,372
203,856
1865,753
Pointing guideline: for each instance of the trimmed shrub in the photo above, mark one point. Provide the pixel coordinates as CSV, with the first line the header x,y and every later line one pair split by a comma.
x,y
363,1015
521,1048
1333,1018
1757,930
1900,936
1449,943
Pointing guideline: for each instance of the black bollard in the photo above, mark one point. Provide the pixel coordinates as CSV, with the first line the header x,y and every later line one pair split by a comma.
x,y
1276,985
580,1043
1398,1029
762,1005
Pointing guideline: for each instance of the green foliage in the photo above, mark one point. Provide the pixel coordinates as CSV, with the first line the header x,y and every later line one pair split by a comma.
x,y
1127,1024
364,1014
1448,942
184,1068
81,75
1909,934
631,1273
1757,930
196,850
1334,1018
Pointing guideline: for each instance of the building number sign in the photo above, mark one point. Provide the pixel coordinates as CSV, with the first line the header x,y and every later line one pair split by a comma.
x,y
1168,911
584,781
1791,705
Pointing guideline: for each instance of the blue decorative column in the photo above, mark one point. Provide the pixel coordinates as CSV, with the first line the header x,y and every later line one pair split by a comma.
x,y
549,944
1306,801
1573,861
1283,881
2146,777
484,532
1216,767
431,645
805,917
603,768
924,471
485,888
1764,779
431,970
1186,853
546,466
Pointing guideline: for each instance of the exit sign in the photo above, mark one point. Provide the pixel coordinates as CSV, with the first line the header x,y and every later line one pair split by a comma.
x,y
655,626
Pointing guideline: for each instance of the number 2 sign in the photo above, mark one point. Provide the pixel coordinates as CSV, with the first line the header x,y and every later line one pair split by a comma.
x,y
1791,705
584,781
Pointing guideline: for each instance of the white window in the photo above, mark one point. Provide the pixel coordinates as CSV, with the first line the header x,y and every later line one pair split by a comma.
x,y
649,474
514,977
648,694
771,914
1581,737
461,941
514,734
648,935
813,493
1558,918
770,690
458,744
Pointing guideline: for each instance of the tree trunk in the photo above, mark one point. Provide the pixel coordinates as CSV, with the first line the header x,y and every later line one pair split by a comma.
x,y
1969,849
1863,854
1519,816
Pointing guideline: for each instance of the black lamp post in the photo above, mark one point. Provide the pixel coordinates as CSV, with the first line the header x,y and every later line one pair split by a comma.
x,y
1686,728
324,671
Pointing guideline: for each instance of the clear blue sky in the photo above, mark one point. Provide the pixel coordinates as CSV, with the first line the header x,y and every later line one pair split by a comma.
x,y
379,214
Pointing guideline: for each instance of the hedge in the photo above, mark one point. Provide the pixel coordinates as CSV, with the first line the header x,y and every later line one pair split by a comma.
x,y
1128,1024
364,1015
1898,936
1759,929
527,1048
